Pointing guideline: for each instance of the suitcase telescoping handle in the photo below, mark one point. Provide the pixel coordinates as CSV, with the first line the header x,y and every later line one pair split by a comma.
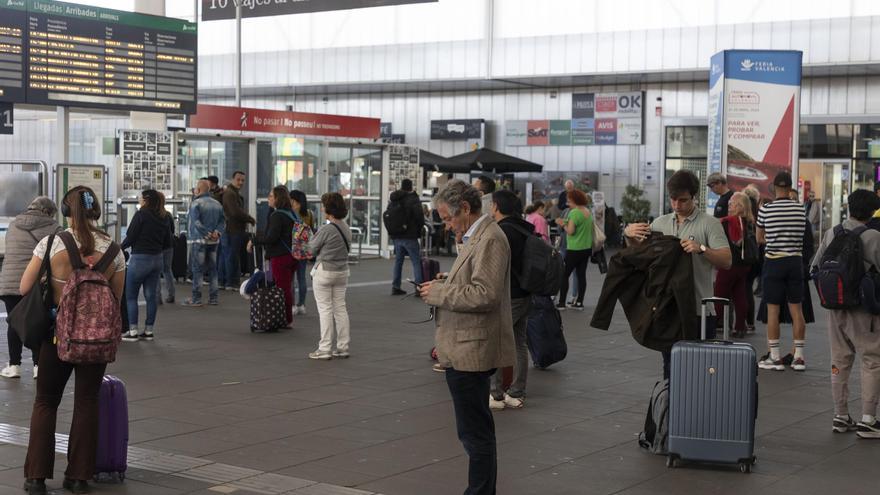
x,y
725,304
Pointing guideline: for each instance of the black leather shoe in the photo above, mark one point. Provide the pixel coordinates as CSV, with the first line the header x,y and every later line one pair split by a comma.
x,y
35,486
76,486
397,292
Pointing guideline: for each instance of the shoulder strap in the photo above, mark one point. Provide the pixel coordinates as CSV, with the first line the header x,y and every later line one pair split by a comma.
x,y
859,230
109,256
72,250
46,266
339,229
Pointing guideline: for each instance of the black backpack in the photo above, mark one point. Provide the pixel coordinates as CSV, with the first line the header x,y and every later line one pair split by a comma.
x,y
747,253
841,270
542,266
396,218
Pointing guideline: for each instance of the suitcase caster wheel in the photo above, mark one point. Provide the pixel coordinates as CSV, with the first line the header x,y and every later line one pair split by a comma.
x,y
745,467
670,462
121,477
754,460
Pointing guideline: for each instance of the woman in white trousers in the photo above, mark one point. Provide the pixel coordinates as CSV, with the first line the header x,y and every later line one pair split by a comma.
x,y
331,246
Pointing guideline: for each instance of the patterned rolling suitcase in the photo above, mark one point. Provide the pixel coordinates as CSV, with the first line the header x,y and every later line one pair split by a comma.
x,y
267,303
713,400
111,459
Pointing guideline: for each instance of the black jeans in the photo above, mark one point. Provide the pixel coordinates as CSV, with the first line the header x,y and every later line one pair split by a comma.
x,y
12,338
710,335
476,428
575,261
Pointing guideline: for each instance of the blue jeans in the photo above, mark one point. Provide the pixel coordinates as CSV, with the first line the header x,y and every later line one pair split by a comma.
x,y
232,262
167,274
406,247
203,261
143,270
301,269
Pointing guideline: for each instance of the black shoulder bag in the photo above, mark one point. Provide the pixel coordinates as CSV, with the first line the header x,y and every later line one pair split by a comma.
x,y
31,318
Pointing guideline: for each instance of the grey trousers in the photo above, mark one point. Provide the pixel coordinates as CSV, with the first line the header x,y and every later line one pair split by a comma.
x,y
850,333
520,308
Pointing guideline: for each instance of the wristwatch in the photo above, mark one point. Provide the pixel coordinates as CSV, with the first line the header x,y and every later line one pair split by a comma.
x,y
702,249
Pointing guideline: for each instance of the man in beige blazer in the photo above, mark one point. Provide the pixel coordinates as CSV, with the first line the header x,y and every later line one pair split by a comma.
x,y
474,324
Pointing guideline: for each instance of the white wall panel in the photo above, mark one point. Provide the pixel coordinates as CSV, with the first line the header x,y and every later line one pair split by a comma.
x,y
620,61
781,36
556,58
820,42
855,95
800,38
690,48
742,36
605,52
860,39
837,96
819,96
725,38
706,44
671,49
762,36
638,51
573,51
875,37
589,53
872,96
655,50
839,40
806,96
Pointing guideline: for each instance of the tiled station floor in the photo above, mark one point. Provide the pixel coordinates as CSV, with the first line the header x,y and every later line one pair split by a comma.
x,y
217,409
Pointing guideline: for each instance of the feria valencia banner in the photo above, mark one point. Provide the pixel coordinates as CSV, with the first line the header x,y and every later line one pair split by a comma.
x,y
754,116
282,122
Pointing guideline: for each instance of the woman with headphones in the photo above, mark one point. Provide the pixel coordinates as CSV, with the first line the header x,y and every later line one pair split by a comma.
x,y
148,237
83,210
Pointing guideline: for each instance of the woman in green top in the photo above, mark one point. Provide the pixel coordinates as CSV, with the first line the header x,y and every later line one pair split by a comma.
x,y
579,240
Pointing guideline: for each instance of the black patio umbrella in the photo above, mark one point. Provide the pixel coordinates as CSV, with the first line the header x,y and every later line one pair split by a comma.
x,y
437,163
492,161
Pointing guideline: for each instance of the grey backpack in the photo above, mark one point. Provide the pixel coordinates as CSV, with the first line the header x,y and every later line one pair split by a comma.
x,y
655,438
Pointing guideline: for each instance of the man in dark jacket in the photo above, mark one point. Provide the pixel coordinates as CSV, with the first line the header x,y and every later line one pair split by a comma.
x,y
237,220
507,211
405,203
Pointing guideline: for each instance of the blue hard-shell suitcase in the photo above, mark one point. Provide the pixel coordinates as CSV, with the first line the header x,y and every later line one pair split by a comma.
x,y
713,400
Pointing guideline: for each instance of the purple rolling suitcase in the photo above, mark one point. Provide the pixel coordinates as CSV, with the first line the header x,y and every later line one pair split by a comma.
x,y
111,459
713,399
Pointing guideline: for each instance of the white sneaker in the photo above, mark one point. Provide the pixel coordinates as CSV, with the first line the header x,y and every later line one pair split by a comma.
x,y
11,371
35,372
300,310
320,355
495,405
131,336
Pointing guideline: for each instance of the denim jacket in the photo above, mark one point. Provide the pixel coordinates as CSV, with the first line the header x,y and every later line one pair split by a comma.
x,y
205,216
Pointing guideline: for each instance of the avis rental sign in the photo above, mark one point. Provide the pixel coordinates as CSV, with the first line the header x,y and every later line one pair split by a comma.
x,y
754,116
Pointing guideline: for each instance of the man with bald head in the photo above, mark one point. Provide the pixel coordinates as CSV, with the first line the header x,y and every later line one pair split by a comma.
x,y
206,225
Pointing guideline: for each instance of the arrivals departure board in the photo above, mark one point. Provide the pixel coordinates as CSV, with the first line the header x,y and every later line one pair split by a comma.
x,y
80,56
13,36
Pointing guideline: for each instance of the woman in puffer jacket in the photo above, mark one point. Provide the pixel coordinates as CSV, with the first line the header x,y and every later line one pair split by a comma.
x,y
25,231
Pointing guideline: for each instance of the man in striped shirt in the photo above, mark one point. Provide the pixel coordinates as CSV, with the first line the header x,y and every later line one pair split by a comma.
x,y
780,228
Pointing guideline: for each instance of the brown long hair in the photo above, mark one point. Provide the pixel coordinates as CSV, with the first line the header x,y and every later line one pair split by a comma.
x,y
153,202
162,211
83,218
282,198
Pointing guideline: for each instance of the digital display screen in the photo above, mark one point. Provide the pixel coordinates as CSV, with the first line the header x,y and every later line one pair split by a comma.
x,y
81,56
13,36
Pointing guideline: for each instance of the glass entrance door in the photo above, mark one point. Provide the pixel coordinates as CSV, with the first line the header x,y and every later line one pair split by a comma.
x,y
356,173
828,181
199,157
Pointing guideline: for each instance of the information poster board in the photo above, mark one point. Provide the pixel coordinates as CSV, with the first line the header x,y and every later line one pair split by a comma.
x,y
68,176
754,116
596,119
13,33
403,163
147,162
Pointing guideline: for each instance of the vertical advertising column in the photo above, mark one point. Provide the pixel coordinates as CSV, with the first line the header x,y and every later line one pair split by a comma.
x,y
759,116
